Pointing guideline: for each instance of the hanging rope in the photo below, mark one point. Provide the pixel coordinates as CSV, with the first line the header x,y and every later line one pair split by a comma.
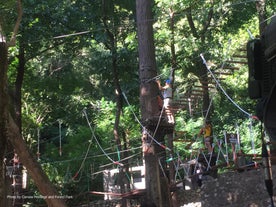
x,y
93,136
155,78
226,148
83,161
252,136
143,127
38,144
59,126
89,146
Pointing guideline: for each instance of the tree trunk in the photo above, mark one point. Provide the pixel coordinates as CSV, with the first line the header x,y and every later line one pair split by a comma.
x,y
260,6
155,195
207,109
10,131
111,44
41,180
147,62
17,99
118,94
3,120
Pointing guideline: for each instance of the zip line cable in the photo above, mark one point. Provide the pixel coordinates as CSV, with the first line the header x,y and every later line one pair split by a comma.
x,y
91,157
221,88
132,24
234,103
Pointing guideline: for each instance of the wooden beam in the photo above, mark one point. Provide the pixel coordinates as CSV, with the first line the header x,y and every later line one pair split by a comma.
x,y
240,56
222,73
195,90
207,87
237,61
211,79
230,67
196,94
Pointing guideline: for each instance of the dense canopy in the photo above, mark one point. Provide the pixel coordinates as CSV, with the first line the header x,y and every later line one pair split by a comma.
x,y
73,81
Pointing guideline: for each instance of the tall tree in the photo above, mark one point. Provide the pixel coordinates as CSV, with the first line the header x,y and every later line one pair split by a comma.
x,y
111,44
149,107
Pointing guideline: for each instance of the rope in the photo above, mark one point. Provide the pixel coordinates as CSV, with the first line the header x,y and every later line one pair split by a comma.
x,y
227,51
155,77
217,82
59,126
252,137
159,120
91,157
226,148
161,145
83,161
93,136
38,144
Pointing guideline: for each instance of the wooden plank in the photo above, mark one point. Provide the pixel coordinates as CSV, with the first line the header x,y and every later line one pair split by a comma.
x,y
196,95
240,56
207,87
237,61
186,99
180,132
195,90
223,73
230,67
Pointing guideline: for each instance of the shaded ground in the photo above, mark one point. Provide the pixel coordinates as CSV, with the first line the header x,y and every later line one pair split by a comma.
x,y
231,189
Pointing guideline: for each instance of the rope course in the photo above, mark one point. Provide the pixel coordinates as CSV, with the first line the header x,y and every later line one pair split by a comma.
x,y
177,162
143,127
93,136
221,88
223,152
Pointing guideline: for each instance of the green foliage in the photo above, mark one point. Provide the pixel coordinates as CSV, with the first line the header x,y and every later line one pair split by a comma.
x,y
8,12
69,79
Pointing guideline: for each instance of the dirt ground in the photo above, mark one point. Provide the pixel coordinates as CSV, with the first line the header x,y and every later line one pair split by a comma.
x,y
230,189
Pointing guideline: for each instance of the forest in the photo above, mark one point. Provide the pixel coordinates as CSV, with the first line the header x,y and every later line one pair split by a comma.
x,y
70,88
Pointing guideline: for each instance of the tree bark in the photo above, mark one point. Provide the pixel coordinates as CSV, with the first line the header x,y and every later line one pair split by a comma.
x,y
260,6
112,46
9,131
200,33
147,62
156,182
41,180
17,99
3,120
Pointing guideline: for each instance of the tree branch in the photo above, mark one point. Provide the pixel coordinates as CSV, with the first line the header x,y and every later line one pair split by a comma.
x,y
17,24
208,21
191,22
